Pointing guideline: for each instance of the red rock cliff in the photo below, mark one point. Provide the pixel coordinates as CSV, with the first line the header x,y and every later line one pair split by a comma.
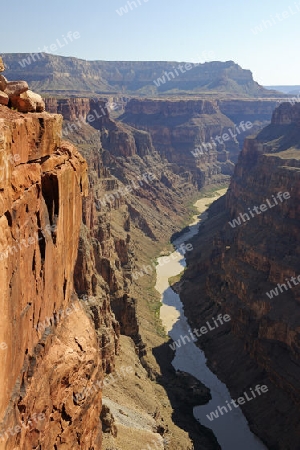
x,y
49,344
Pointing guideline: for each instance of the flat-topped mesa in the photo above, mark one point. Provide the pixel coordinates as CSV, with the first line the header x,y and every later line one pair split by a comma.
x,y
55,74
16,95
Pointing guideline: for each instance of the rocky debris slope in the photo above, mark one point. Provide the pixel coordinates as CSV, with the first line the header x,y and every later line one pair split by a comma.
x,y
235,266
16,95
140,408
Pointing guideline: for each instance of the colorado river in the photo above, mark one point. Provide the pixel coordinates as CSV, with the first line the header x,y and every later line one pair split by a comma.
x,y
231,429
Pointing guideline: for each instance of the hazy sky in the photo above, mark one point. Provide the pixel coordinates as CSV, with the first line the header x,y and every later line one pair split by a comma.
x,y
163,30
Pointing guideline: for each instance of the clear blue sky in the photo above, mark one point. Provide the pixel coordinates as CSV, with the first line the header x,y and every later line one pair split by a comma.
x,y
163,30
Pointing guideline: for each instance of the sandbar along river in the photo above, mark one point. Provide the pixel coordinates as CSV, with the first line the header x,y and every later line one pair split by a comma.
x,y
231,429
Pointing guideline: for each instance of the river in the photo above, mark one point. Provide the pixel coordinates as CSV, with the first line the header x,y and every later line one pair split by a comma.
x,y
231,429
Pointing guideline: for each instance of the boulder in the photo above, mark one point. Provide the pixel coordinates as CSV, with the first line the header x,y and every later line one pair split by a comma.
x,y
2,68
3,83
3,98
14,88
28,102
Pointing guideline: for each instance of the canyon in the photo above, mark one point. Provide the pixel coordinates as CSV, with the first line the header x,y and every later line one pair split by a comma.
x,y
74,297
232,269
89,198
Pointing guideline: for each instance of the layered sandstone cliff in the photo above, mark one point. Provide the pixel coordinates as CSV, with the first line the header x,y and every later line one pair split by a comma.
x,y
257,111
236,265
203,137
199,138
179,127
51,344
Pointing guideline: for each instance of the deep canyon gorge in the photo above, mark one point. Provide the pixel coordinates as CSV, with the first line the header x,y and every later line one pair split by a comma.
x,y
93,201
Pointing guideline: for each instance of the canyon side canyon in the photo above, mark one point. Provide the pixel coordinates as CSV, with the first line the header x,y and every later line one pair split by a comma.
x,y
90,197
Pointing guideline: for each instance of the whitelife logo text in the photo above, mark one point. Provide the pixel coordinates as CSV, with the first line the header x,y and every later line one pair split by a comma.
x,y
260,209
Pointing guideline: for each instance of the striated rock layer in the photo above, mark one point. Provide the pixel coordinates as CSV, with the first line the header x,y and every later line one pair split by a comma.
x,y
55,74
235,266
122,230
178,127
201,139
49,347
216,127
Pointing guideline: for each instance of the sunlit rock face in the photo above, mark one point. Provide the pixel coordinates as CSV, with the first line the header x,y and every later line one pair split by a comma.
x,y
235,265
49,346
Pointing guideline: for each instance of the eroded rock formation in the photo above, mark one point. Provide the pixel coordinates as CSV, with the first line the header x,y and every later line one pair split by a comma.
x,y
65,346
235,266
121,229
71,290
52,346
200,139
53,74
179,127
